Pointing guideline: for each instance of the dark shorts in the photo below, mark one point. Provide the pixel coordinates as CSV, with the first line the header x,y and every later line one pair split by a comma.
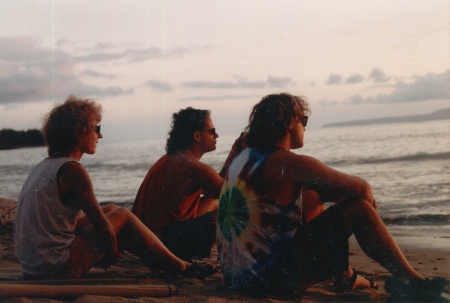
x,y
191,239
317,252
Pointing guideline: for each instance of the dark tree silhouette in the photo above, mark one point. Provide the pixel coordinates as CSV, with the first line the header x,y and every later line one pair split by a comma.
x,y
10,139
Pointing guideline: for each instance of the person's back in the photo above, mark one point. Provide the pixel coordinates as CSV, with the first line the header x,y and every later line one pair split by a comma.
x,y
245,206
48,224
161,199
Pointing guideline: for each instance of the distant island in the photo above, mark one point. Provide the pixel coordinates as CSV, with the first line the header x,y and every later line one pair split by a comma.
x,y
437,115
11,139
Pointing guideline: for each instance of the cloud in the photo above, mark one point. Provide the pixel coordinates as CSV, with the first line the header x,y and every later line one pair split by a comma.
x,y
97,75
429,87
105,52
134,55
159,85
356,78
378,75
105,92
334,79
279,82
30,72
270,82
221,98
326,102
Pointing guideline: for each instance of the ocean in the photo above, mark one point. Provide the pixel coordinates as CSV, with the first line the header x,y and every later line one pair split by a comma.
x,y
408,165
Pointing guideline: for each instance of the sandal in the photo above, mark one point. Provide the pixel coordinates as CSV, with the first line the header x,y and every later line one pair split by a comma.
x,y
340,286
427,290
199,271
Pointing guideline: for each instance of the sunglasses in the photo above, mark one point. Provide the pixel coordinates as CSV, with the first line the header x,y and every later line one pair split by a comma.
x,y
212,131
304,120
97,128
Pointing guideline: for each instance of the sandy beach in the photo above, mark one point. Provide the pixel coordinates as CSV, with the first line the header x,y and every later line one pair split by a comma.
x,y
429,260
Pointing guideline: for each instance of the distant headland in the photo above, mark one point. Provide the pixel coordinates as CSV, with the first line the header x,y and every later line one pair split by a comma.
x,y
437,115
11,139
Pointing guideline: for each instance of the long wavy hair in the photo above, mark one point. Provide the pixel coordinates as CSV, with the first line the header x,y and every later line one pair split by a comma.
x,y
270,119
67,123
184,123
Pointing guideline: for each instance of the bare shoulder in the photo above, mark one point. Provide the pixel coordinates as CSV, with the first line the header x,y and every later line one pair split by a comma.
x,y
72,168
73,174
293,166
285,158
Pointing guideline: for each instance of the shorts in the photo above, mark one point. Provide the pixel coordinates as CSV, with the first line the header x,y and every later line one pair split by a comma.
x,y
319,251
191,239
83,256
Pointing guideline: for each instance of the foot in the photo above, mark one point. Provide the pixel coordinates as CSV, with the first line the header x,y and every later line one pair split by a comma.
x,y
354,282
426,290
199,270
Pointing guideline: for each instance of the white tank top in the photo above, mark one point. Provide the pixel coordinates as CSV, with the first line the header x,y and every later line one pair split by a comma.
x,y
44,227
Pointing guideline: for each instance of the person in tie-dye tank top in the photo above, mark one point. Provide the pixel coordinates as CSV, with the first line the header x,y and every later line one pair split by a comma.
x,y
274,233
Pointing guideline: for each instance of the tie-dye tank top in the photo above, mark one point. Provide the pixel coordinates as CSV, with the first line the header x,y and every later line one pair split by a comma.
x,y
253,230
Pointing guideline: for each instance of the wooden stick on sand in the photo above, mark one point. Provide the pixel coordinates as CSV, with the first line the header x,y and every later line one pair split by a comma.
x,y
54,290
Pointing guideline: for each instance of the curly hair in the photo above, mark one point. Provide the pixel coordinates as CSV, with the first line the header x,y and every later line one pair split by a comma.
x,y
184,123
67,123
270,119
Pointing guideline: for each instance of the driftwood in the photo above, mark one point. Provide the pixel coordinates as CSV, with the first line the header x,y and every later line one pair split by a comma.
x,y
132,288
7,213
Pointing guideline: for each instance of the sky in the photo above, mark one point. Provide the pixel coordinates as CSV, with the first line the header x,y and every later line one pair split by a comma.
x,y
144,60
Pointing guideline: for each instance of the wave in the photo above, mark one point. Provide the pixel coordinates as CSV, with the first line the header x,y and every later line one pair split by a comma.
x,y
405,158
111,167
417,220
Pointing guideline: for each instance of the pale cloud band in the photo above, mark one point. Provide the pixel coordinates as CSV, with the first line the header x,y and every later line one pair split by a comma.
x,y
30,72
428,87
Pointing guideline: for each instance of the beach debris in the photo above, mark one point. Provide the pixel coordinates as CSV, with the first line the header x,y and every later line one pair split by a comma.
x,y
7,214
130,288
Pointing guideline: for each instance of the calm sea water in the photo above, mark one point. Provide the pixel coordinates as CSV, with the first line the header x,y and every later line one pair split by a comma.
x,y
408,165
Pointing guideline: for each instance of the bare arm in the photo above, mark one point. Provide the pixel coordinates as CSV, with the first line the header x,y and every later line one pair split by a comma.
x,y
75,186
207,178
238,145
329,183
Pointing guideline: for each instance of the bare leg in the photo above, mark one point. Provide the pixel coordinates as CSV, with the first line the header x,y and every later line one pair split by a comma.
x,y
375,239
311,208
135,237
84,222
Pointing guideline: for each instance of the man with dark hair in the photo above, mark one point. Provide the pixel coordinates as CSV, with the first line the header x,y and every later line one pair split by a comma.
x,y
178,197
60,229
274,233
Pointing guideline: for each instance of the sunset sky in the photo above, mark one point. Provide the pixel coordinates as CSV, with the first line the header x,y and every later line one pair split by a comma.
x,y
144,60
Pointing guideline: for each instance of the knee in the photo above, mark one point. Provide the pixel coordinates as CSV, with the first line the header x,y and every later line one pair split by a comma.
x,y
109,207
122,212
126,211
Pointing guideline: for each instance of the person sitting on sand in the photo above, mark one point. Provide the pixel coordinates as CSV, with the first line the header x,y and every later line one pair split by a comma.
x,y
178,197
60,230
274,233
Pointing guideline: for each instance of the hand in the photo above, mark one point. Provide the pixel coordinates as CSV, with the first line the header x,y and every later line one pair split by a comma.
x,y
108,244
375,205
